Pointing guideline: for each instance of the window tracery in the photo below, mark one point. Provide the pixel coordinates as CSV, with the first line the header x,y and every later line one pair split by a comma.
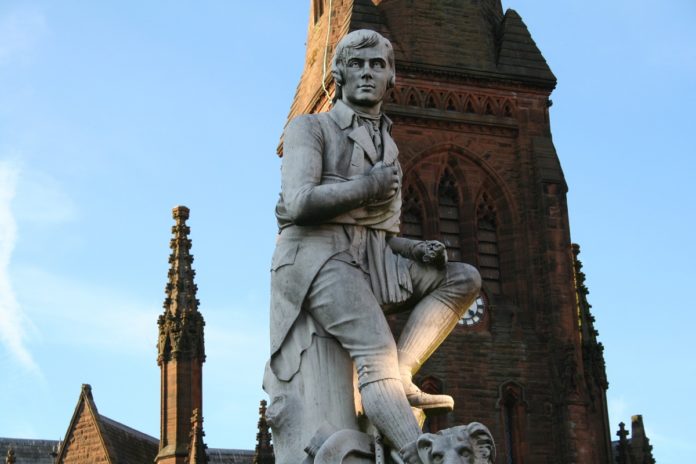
x,y
412,215
448,215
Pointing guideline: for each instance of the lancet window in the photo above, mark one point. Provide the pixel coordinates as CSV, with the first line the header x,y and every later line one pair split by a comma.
x,y
448,212
513,408
412,215
487,242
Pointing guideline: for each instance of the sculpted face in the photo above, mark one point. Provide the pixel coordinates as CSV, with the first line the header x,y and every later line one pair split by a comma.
x,y
366,78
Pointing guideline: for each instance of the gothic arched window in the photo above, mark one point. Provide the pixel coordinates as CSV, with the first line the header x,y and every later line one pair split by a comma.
x,y
412,215
512,405
487,243
448,215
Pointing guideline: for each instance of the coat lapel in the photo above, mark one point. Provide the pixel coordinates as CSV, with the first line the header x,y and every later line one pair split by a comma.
x,y
360,136
391,151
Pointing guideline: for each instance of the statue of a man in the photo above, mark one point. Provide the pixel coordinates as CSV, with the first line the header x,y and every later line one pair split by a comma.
x,y
339,264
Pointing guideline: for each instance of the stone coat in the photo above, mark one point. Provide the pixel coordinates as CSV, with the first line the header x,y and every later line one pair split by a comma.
x,y
319,149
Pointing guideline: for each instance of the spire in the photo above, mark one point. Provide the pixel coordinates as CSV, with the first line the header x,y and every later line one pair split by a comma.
x,y
264,448
518,54
181,352
180,290
181,325
467,38
197,453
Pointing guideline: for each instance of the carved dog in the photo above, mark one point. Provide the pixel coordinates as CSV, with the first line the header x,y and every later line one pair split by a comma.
x,y
464,444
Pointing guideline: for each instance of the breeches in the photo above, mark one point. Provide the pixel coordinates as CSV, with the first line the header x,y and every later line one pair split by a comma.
x,y
340,299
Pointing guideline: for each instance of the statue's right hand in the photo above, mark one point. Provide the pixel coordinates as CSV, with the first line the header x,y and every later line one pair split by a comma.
x,y
386,181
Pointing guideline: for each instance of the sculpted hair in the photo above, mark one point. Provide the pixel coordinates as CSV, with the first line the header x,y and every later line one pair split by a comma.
x,y
362,38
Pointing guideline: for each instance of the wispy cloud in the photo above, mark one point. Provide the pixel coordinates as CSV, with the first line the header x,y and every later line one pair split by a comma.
x,y
42,200
12,322
20,31
86,315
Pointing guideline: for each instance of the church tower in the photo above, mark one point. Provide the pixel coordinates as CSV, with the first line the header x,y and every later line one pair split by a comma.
x,y
481,174
181,354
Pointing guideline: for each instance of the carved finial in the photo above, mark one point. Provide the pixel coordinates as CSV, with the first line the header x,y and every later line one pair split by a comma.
x,y
264,448
196,447
10,459
87,390
181,325
180,290
622,456
180,213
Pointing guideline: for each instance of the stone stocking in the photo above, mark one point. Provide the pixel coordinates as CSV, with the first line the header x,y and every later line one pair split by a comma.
x,y
386,407
430,322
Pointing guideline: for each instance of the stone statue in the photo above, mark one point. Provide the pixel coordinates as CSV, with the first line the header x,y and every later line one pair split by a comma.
x,y
336,374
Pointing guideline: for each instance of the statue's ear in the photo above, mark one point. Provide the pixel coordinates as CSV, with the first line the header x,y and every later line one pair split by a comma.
x,y
425,447
482,441
338,76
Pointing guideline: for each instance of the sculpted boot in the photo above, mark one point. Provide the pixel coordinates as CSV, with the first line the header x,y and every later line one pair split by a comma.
x,y
428,325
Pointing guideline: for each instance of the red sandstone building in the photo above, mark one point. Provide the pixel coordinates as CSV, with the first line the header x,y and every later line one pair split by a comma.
x,y
471,112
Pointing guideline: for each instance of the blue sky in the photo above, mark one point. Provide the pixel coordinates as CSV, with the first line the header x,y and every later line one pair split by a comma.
x,y
112,113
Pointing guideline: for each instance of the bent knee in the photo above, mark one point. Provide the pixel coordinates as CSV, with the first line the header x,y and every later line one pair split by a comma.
x,y
464,276
463,285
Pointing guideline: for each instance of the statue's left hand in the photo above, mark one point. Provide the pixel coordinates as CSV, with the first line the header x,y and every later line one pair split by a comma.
x,y
431,252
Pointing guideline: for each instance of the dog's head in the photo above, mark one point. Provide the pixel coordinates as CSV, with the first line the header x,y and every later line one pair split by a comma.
x,y
464,444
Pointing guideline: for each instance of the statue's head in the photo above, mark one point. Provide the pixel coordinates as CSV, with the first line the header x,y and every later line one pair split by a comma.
x,y
363,68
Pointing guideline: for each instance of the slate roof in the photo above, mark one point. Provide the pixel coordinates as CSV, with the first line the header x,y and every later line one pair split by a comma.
x,y
127,445
29,451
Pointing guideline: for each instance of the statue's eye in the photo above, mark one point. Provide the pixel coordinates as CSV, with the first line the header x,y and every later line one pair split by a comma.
x,y
464,452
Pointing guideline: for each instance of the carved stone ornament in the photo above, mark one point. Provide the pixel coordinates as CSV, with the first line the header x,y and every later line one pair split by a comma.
x,y
181,325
